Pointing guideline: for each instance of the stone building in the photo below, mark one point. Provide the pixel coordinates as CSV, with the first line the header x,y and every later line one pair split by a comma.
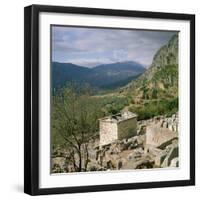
x,y
117,127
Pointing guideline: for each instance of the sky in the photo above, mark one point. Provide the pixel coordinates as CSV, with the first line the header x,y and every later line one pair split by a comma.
x,y
94,46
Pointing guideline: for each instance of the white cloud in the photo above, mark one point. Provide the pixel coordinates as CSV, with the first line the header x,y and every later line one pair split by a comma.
x,y
92,45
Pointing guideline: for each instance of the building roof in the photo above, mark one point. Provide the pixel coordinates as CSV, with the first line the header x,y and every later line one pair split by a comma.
x,y
122,116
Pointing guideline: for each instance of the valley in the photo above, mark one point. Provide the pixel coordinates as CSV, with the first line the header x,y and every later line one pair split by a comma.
x,y
101,77
85,95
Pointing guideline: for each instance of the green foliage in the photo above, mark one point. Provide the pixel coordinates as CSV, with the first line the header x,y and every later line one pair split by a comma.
x,y
75,112
74,115
164,84
113,105
154,108
74,120
154,93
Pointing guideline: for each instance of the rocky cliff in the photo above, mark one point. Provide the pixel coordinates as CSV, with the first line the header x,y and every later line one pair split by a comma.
x,y
161,79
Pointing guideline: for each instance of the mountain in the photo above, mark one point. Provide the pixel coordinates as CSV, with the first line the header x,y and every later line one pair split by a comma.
x,y
161,79
103,76
155,92
120,83
128,68
63,72
116,72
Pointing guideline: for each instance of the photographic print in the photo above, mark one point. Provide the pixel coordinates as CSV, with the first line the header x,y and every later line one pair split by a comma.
x,y
109,99
114,99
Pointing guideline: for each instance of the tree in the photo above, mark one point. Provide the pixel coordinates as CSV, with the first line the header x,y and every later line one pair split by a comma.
x,y
75,117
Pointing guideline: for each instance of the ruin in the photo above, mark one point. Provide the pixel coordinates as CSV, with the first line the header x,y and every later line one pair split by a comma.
x,y
117,127
126,143
159,137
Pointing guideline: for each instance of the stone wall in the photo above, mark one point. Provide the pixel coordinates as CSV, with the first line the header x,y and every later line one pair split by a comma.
x,y
108,132
127,128
159,137
171,123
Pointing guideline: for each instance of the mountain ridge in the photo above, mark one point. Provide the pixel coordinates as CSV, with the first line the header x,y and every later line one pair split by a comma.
x,y
99,76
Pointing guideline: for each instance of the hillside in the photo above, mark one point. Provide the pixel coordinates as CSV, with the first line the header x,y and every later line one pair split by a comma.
x,y
116,74
104,76
161,79
63,72
155,92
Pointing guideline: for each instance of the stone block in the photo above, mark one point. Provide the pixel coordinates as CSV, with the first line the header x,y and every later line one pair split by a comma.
x,y
173,153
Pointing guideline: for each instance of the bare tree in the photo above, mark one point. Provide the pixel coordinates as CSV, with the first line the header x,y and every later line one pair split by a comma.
x,y
75,118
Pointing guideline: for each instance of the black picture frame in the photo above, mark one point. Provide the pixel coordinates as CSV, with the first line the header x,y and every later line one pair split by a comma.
x,y
31,99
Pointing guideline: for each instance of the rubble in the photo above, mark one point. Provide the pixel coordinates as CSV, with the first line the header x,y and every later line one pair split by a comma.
x,y
154,146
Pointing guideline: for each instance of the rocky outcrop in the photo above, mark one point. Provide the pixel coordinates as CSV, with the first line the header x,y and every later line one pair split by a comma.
x,y
160,80
166,55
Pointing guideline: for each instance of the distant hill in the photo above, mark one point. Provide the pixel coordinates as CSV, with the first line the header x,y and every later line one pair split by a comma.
x,y
116,72
64,72
103,76
120,83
